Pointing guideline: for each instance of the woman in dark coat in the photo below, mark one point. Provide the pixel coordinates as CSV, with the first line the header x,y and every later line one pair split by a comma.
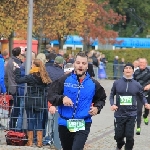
x,y
35,98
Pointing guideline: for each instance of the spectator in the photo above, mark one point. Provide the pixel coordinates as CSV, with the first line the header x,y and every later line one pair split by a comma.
x,y
55,70
12,85
6,76
50,57
71,59
101,70
48,49
21,93
5,54
136,65
37,82
60,53
94,58
115,67
33,54
90,69
121,67
103,59
2,74
42,57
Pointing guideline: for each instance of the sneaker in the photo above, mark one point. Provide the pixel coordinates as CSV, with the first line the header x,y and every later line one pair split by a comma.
x,y
138,130
146,121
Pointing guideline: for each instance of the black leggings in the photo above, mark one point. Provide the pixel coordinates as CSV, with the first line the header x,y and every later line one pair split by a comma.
x,y
139,111
73,140
124,127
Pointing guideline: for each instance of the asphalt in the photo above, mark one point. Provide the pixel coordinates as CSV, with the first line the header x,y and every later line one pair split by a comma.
x,y
101,136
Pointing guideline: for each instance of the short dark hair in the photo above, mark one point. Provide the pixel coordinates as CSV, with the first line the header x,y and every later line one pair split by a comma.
x,y
81,54
50,56
16,51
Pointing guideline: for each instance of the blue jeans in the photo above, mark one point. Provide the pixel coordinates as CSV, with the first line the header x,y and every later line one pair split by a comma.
x,y
15,112
34,119
115,73
20,118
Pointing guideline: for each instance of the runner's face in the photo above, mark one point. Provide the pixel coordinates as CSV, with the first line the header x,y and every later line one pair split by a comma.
x,y
128,71
80,65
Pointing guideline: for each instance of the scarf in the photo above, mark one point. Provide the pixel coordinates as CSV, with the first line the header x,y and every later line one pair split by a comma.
x,y
34,69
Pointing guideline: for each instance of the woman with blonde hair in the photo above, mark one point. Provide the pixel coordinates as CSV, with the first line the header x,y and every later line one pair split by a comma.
x,y
35,98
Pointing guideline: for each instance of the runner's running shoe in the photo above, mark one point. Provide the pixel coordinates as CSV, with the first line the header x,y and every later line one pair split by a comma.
x,y
138,130
146,121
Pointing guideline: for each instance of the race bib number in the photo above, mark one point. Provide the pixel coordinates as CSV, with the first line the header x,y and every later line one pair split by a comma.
x,y
74,125
125,100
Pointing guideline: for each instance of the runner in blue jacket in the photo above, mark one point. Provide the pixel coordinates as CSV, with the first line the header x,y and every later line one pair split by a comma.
x,y
78,97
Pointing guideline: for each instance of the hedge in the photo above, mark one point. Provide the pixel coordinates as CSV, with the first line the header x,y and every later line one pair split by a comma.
x,y
128,54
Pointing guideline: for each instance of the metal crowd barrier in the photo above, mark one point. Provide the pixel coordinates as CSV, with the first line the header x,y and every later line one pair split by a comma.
x,y
112,71
19,113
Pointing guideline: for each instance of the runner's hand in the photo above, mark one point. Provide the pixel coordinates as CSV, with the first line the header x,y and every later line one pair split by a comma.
x,y
114,108
147,106
67,101
93,111
147,87
52,109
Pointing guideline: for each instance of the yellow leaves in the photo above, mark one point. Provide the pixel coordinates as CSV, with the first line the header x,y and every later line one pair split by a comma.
x,y
64,16
13,16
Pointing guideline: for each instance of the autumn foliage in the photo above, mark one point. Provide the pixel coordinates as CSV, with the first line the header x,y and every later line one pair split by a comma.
x,y
13,17
56,19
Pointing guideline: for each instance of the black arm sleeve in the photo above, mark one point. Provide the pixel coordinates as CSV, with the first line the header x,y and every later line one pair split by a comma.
x,y
100,96
55,91
93,74
19,79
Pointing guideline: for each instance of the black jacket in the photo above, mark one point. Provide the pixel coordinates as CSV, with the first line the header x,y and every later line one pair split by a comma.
x,y
143,77
95,61
36,90
126,87
90,70
49,63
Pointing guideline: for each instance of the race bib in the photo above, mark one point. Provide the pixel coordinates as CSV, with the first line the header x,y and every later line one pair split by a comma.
x,y
74,125
125,100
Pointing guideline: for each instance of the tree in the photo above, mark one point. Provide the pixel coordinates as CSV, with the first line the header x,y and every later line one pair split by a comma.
x,y
13,19
98,23
57,19
128,28
83,17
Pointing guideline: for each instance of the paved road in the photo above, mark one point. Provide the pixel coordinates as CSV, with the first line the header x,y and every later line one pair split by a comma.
x,y
102,131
